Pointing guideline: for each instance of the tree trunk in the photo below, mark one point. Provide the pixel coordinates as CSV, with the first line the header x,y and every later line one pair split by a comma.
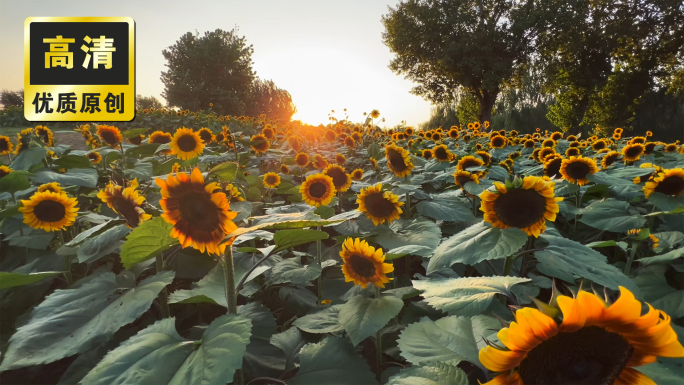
x,y
486,105
581,109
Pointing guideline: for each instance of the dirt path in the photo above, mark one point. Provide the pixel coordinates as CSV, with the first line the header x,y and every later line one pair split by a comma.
x,y
72,139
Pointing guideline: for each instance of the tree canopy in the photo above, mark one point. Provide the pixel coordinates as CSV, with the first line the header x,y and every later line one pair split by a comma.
x,y
267,98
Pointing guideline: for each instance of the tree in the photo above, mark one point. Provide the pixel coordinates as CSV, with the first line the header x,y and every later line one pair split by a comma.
x,y
266,98
212,69
474,44
12,98
145,102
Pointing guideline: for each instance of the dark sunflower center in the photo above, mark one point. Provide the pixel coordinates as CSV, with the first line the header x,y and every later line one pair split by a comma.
x,y
338,176
649,147
441,153
634,151
161,139
396,160
599,145
520,208
205,136
427,154
108,137
577,170
271,179
199,211
672,185
378,206
497,141
4,145
611,159
529,143
187,143
136,139
127,210
462,180
590,356
49,211
361,266
92,156
318,189
553,168
470,163
3,173
573,151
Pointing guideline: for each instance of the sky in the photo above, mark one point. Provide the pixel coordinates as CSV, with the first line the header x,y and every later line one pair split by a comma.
x,y
328,54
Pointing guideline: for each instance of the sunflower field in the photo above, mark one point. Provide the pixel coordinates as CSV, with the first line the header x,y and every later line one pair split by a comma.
x,y
256,252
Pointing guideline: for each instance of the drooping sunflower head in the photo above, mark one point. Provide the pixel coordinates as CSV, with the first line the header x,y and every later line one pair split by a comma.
x,y
552,167
426,154
49,211
363,264
5,145
340,159
4,170
110,135
302,159
320,162
577,168
206,135
160,137
514,155
498,141
186,144
125,202
260,144
357,174
441,153
461,177
271,180
672,147
52,187
485,156
379,206
398,160
201,218
632,152
318,190
295,143
340,178
525,204
669,182
136,140
594,343
284,169
46,135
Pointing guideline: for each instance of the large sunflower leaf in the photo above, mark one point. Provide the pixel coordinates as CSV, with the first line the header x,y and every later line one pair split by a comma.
x,y
86,177
28,158
448,340
290,342
659,293
331,361
73,321
8,279
666,202
420,231
475,244
433,374
362,317
147,241
446,210
465,296
105,243
285,239
159,355
225,172
664,258
261,358
563,257
292,270
325,321
606,179
15,181
611,215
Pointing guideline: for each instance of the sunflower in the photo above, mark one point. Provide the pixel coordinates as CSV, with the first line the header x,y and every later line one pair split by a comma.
x,y
4,170
557,136
302,159
317,190
340,159
375,114
436,136
125,202
617,136
320,162
295,143
110,135
268,132
52,187
260,144
529,143
548,143
544,152
349,142
206,135
330,135
5,145
398,160
45,135
632,152
595,343
497,141
374,163
340,178
599,145
576,169
649,147
175,167
669,182
49,211
271,180
380,207
426,154
672,147
94,157
363,264
462,177
514,155
656,170
232,192
357,174
441,153
453,133
609,159
637,140
160,137
552,167
284,169
136,140
572,151
200,217
469,161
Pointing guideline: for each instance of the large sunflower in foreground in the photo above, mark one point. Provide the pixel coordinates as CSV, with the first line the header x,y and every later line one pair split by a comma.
x,y
186,144
363,264
576,169
49,211
200,217
317,190
525,204
125,202
669,182
110,135
398,160
380,207
595,343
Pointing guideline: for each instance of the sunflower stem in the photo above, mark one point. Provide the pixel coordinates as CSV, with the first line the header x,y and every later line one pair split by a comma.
x,y
474,203
319,259
378,346
630,259
164,295
229,273
508,265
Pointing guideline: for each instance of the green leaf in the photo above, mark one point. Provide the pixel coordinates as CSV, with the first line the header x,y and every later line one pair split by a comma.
x,y
446,210
93,231
225,172
563,256
75,320
611,215
147,241
622,245
105,243
363,317
475,244
284,239
605,179
73,161
408,250
465,296
15,181
656,291
143,150
664,371
420,231
433,374
10,211
290,342
473,188
325,321
15,279
28,158
159,355
374,150
663,258
133,132
448,340
292,270
331,361
325,212
86,177
666,202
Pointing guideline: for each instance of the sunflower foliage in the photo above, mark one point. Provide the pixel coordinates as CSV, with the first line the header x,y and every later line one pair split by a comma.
x,y
250,250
